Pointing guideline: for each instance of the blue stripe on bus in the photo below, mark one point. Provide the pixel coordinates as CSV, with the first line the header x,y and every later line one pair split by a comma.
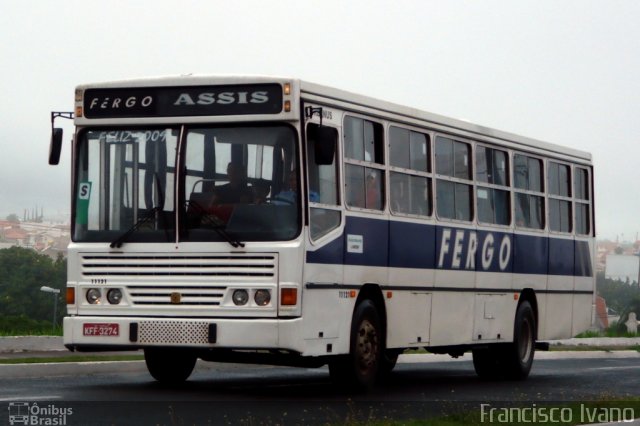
x,y
411,245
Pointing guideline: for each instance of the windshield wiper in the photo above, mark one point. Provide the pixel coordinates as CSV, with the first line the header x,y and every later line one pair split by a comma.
x,y
216,223
146,217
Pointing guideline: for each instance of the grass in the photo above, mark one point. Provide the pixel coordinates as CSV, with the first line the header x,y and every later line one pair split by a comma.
x,y
72,358
580,348
38,331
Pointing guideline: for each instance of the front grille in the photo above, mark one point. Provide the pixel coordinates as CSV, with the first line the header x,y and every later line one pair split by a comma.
x,y
176,295
171,332
170,281
222,268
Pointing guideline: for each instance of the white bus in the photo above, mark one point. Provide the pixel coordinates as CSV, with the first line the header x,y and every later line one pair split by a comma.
x,y
276,221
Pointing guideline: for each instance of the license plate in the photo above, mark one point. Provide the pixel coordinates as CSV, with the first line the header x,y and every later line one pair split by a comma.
x,y
101,330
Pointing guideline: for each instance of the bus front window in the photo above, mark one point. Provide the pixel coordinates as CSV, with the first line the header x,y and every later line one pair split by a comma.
x,y
241,184
124,183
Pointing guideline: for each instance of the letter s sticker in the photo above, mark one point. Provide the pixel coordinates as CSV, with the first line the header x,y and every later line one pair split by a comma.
x,y
84,191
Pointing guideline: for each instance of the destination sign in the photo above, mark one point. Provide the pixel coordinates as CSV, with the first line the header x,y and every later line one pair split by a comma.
x,y
183,101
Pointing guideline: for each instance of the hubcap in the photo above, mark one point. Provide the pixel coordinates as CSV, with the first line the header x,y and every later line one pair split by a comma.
x,y
367,346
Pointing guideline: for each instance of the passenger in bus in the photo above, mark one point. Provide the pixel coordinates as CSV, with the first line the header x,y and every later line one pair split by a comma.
x,y
290,195
236,191
261,189
372,200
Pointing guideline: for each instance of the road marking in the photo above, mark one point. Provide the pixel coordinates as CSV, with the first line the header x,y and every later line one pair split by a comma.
x,y
630,367
30,398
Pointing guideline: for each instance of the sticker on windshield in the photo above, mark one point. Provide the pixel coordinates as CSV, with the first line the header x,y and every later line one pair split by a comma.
x,y
82,203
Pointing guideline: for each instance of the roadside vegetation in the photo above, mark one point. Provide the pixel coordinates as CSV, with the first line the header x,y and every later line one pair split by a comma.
x,y
24,309
621,297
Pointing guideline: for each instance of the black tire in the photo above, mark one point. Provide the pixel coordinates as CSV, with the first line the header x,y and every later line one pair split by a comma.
x,y
519,358
169,366
487,363
511,360
359,370
388,361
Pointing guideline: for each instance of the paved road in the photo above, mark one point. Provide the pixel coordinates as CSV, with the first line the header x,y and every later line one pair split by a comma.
x,y
420,387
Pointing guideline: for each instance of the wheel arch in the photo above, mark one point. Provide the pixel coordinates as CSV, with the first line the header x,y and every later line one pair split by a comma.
x,y
373,292
529,295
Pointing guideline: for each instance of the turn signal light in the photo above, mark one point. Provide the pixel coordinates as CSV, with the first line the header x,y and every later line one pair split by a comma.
x,y
288,296
71,296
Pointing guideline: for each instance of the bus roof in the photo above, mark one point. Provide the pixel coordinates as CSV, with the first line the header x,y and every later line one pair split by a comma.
x,y
436,121
356,102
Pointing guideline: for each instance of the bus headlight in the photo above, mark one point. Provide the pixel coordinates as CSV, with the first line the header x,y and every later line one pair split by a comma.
x,y
94,295
114,296
240,297
262,297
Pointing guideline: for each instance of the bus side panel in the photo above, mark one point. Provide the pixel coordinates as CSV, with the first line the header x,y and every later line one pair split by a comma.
x,y
408,319
366,256
452,316
583,303
326,313
560,305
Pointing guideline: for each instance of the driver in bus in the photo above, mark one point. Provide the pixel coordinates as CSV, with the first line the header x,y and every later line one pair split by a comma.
x,y
236,191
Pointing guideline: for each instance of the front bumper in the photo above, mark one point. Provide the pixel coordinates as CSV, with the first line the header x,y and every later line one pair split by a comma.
x,y
122,333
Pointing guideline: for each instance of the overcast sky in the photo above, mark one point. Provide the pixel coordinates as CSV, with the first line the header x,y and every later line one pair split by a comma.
x,y
567,72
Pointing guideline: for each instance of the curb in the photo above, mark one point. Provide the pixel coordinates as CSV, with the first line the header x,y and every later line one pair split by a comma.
x,y
21,371
12,344
17,344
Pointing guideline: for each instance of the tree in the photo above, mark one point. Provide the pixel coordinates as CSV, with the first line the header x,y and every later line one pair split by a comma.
x,y
22,273
616,293
13,218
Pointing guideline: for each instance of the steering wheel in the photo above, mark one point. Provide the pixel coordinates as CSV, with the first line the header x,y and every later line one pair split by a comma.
x,y
276,199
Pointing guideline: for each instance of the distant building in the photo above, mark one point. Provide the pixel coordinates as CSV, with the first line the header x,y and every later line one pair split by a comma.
x,y
623,267
49,239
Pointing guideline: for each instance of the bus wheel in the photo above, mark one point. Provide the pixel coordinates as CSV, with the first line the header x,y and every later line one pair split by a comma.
x,y
360,368
388,361
512,360
486,362
519,357
170,366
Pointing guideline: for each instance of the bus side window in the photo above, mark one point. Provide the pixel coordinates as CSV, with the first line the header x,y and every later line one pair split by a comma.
x,y
492,168
582,198
410,184
530,208
559,189
363,143
453,186
323,189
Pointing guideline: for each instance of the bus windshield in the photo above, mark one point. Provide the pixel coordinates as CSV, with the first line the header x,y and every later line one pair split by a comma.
x,y
243,181
233,184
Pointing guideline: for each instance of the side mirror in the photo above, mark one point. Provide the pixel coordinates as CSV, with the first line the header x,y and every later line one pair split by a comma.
x,y
325,146
55,146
